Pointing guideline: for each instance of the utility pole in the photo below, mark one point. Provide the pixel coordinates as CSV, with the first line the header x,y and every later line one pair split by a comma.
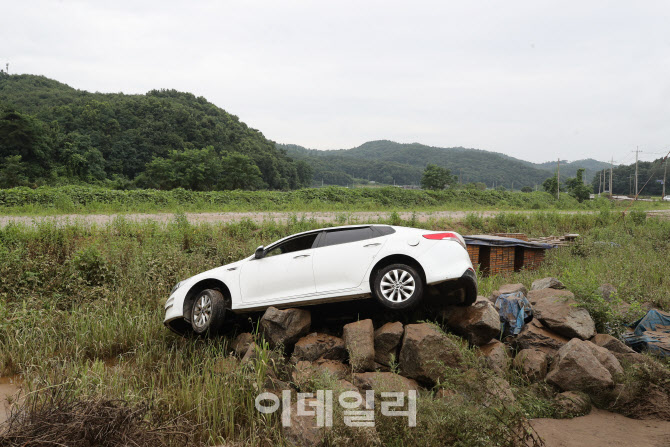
x,y
630,184
558,180
637,151
665,174
600,182
611,171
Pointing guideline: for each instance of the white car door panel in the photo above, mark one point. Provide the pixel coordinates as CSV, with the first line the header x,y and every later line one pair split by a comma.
x,y
343,266
281,276
284,272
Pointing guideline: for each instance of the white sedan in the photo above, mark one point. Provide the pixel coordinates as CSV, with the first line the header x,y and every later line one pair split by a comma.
x,y
392,264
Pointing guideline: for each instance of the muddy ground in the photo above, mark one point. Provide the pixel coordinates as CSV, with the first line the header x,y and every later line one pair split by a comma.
x,y
602,428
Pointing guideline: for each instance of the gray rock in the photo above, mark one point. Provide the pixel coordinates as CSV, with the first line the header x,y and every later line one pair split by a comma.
x,y
508,288
384,382
319,346
572,403
535,335
560,314
535,295
479,323
576,368
611,343
607,359
547,283
285,327
496,356
387,342
426,351
532,363
359,339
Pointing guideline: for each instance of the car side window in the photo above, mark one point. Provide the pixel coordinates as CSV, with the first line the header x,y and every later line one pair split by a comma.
x,y
296,244
344,236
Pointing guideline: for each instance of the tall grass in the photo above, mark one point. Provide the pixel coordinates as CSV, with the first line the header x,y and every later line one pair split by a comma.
x,y
82,305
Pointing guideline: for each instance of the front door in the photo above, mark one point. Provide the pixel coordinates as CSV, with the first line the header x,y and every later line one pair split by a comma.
x,y
284,272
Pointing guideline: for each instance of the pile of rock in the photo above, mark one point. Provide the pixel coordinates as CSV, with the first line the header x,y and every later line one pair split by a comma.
x,y
559,347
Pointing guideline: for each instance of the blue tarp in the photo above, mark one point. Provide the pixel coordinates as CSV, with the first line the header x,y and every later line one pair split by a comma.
x,y
514,310
651,333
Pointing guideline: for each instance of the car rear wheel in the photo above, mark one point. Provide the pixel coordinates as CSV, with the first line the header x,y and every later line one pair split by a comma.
x,y
208,312
398,286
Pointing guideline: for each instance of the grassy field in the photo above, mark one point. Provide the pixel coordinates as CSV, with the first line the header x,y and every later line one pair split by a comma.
x,y
87,199
81,312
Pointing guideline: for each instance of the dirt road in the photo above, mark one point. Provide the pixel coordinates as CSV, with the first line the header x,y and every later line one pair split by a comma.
x,y
324,216
259,217
602,428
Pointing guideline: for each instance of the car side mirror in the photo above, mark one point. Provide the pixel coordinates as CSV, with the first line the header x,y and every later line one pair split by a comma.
x,y
260,252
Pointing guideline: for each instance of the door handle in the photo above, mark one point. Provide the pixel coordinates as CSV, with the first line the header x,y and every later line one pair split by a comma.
x,y
300,256
372,245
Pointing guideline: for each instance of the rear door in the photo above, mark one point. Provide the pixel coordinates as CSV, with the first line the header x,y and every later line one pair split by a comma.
x,y
284,272
343,256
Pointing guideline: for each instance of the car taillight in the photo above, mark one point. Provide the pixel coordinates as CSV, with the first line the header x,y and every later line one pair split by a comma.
x,y
445,237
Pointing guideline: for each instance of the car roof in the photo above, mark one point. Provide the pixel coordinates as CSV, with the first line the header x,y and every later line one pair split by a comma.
x,y
324,229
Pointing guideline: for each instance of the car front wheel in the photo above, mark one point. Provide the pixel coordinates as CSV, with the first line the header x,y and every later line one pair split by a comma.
x,y
398,287
208,312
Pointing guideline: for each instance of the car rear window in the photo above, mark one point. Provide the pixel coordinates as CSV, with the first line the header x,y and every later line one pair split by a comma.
x,y
347,235
384,230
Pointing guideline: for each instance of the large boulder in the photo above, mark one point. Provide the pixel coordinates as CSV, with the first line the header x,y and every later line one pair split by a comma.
x,y
561,314
508,288
285,327
572,403
426,351
612,344
359,339
384,382
387,341
333,368
606,358
305,370
546,283
496,356
479,323
535,335
535,295
532,363
303,431
319,346
576,368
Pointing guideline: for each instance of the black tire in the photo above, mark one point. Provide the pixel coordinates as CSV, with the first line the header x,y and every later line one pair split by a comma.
x,y
208,312
399,295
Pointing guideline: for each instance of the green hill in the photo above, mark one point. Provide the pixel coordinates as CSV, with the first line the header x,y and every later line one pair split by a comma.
x,y
63,134
385,161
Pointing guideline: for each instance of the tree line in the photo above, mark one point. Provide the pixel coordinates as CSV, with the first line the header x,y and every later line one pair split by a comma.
x,y
53,134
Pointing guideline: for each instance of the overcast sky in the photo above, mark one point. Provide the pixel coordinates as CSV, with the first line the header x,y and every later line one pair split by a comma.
x,y
532,79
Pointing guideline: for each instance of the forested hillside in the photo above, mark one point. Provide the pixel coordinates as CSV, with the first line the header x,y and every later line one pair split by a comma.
x,y
51,133
386,161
